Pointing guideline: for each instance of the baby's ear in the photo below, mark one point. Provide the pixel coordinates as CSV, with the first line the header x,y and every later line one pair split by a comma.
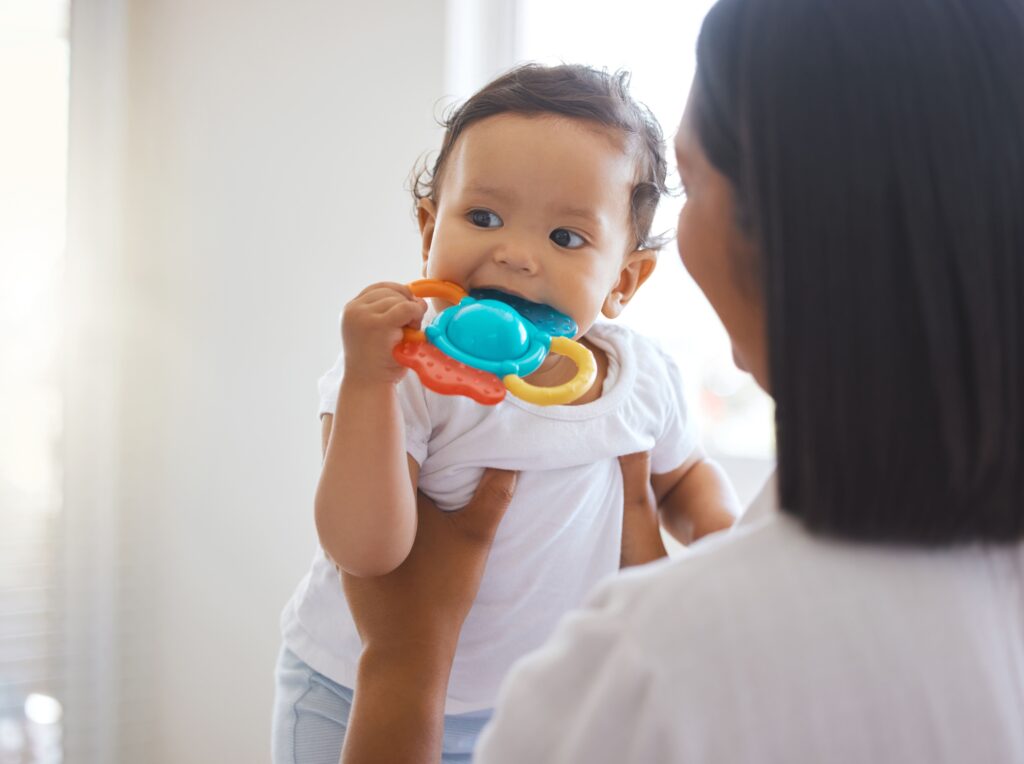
x,y
637,269
426,214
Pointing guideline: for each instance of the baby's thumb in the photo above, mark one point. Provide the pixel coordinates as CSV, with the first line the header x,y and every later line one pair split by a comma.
x,y
406,312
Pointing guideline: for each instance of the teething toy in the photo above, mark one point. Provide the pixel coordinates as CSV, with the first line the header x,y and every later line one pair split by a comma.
x,y
487,341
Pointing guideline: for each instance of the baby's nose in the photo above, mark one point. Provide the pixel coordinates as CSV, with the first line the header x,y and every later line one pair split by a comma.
x,y
517,257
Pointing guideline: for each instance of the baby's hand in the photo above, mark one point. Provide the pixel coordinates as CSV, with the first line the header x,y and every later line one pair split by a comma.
x,y
372,325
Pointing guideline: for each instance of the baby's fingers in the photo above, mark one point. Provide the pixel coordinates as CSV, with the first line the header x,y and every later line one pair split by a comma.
x,y
406,313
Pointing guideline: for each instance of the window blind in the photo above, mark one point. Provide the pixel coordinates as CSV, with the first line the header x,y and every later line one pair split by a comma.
x,y
33,96
73,634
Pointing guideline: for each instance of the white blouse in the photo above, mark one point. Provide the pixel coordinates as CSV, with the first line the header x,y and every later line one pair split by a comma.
x,y
768,644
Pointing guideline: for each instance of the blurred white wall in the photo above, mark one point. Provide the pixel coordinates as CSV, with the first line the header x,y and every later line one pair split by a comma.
x,y
267,150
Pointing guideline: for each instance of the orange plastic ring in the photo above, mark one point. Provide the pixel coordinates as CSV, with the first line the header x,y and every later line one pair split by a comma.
x,y
446,290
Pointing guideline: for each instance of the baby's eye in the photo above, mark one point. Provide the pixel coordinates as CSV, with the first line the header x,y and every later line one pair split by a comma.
x,y
484,219
566,238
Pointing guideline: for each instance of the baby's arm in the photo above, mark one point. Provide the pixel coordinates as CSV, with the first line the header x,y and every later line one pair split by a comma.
x,y
695,499
366,498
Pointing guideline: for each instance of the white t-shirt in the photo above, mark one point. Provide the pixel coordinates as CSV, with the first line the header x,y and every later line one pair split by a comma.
x,y
768,644
562,531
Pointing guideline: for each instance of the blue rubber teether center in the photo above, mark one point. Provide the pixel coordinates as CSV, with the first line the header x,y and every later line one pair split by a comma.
x,y
488,330
544,317
491,336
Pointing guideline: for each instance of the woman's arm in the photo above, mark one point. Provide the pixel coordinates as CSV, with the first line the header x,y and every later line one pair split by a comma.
x,y
365,500
641,531
404,693
409,622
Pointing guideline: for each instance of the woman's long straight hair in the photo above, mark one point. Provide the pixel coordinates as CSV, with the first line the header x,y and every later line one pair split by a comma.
x,y
877,152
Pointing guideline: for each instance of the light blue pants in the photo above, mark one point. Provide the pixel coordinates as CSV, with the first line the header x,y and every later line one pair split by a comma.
x,y
311,716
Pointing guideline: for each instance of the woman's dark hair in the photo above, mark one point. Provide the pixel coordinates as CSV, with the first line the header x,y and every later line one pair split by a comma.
x,y
574,91
876,149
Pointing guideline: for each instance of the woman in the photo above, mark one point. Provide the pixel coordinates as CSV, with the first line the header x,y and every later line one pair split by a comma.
x,y
855,214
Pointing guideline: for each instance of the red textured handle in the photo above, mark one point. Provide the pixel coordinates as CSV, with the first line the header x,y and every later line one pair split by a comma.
x,y
447,376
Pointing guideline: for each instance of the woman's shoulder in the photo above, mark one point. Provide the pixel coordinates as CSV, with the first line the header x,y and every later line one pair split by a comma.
x,y
730,563
608,682
773,594
772,598
770,643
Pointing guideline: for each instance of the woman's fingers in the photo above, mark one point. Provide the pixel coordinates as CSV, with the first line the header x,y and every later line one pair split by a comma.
x,y
478,521
641,529
636,480
483,514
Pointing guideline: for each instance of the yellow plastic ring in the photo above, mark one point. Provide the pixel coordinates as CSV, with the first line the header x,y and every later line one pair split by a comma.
x,y
559,394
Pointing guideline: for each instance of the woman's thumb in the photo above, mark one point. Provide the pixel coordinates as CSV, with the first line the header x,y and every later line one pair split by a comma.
x,y
483,514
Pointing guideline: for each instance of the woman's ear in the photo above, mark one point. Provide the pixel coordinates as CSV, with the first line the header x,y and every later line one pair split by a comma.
x,y
637,269
426,214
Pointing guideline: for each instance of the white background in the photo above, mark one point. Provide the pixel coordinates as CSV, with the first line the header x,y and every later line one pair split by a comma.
x,y
237,171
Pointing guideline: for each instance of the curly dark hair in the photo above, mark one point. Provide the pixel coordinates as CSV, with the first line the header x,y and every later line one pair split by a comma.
x,y
569,90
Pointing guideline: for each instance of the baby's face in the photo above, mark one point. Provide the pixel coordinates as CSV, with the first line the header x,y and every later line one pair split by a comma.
x,y
538,207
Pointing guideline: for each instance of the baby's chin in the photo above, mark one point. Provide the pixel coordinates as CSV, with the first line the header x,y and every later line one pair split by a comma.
x,y
582,327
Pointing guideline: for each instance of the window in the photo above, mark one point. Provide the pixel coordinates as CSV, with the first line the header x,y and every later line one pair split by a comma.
x,y
33,140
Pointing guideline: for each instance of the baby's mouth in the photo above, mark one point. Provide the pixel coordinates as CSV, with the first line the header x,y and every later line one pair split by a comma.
x,y
488,292
544,316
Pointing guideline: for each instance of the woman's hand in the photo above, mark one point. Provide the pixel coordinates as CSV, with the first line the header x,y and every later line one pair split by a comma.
x,y
409,621
424,601
641,531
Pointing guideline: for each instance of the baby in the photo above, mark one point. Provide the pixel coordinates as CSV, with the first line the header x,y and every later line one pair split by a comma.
x,y
545,188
